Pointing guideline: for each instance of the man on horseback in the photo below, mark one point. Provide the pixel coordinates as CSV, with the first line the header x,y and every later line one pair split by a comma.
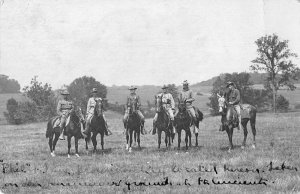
x,y
186,95
169,107
90,113
64,108
233,98
133,100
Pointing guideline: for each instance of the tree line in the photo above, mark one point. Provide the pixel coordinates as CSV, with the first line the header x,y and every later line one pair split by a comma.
x,y
8,85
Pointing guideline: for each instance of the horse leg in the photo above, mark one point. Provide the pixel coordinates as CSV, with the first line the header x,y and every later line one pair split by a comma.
x,y
102,141
190,138
130,140
134,139
69,145
50,145
166,138
196,135
229,133
179,139
76,147
94,140
55,141
159,138
244,124
186,138
252,123
139,139
127,140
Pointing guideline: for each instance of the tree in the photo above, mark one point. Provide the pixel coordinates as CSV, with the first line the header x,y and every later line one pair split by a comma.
x,y
80,90
274,59
8,85
172,89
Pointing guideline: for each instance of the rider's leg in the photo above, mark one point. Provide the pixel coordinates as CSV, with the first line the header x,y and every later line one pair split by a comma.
x,y
238,111
143,132
62,126
107,131
87,125
191,111
154,124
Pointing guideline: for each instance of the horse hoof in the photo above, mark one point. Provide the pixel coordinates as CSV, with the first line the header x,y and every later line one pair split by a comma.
x,y
69,156
130,150
253,146
52,154
77,155
127,146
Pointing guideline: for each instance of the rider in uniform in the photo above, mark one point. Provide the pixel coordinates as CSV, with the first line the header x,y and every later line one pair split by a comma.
x,y
169,107
233,98
64,108
90,113
186,95
134,99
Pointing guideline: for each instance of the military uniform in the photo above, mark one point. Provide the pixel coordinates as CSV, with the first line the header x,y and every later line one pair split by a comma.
x,y
168,106
133,100
233,97
64,108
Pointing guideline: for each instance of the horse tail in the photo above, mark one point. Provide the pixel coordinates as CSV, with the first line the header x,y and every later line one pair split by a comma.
x,y
200,114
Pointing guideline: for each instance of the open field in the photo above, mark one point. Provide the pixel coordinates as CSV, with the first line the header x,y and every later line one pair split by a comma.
x,y
26,162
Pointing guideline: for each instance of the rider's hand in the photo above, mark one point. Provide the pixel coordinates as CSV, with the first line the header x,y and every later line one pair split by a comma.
x,y
230,103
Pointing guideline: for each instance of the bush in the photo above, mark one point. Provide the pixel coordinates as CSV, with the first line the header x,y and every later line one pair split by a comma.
x,y
297,106
282,104
11,107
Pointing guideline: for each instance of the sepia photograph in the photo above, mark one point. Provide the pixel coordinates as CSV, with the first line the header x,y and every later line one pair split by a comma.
x,y
150,96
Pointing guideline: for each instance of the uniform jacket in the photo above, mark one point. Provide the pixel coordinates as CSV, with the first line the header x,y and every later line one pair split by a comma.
x,y
233,96
92,104
133,99
186,95
64,107
167,100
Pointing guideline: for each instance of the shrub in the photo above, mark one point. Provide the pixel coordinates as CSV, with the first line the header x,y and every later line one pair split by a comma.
x,y
282,104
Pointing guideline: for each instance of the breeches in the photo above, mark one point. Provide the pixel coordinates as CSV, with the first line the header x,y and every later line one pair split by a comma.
x,y
126,115
169,112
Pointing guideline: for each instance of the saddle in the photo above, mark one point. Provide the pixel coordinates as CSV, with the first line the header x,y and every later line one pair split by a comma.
x,y
245,111
57,119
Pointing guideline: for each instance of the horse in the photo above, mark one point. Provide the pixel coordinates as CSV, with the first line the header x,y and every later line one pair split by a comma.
x,y
72,129
229,120
184,121
133,127
163,123
97,125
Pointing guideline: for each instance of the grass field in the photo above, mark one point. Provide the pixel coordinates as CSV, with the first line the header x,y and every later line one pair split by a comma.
x,y
26,161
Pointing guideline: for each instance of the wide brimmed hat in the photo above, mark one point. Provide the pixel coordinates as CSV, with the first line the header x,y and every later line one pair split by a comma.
x,y
185,82
164,87
229,84
94,90
64,92
132,88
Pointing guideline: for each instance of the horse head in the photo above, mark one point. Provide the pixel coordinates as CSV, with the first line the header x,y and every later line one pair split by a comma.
x,y
158,103
222,103
98,111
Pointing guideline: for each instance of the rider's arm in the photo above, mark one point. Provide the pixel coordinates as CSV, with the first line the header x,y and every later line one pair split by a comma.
x,y
88,106
138,102
128,102
172,101
58,108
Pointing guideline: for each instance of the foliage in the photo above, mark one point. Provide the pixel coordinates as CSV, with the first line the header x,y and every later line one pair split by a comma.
x,y
80,90
8,85
172,89
274,59
11,107
282,104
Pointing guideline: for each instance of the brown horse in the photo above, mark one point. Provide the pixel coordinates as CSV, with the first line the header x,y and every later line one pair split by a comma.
x,y
72,129
133,128
184,121
230,120
97,125
163,123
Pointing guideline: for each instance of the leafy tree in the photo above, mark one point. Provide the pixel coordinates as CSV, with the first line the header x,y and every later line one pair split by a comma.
x,y
274,58
80,90
172,89
282,104
8,85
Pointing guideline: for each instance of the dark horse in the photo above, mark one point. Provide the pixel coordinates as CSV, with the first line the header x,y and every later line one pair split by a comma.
x,y
184,121
230,120
97,125
163,123
133,127
72,129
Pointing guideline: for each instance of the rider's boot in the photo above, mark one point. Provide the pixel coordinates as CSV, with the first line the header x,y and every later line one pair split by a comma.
x,y
62,136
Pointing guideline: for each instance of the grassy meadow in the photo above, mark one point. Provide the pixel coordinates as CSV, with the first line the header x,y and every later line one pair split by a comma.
x,y
27,166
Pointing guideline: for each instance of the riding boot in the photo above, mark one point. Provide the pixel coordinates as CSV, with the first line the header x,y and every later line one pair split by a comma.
x,y
86,132
62,136
240,123
107,131
154,128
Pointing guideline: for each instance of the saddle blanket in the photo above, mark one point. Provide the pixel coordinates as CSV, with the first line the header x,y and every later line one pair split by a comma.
x,y
245,111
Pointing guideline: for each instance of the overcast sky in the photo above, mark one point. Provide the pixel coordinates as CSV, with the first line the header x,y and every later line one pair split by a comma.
x,y
138,42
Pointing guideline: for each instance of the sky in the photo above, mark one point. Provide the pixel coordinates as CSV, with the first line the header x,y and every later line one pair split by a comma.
x,y
138,42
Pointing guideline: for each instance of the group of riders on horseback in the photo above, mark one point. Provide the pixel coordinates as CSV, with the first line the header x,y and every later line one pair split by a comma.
x,y
133,102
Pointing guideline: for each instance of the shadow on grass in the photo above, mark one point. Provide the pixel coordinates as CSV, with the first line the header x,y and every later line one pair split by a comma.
x,y
227,147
